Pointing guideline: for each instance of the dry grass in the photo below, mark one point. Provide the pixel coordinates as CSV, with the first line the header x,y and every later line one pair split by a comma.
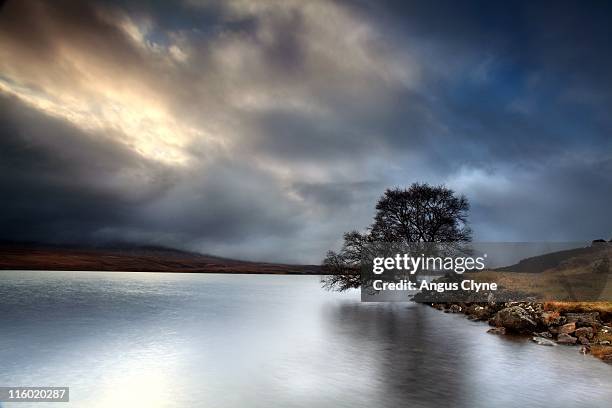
x,y
604,336
602,352
604,309
578,307
579,277
135,260
556,287
553,284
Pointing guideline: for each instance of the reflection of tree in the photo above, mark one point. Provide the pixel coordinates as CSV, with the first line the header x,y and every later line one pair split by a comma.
x,y
402,354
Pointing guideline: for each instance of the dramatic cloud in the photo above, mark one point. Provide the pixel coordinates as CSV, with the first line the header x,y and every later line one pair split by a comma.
x,y
263,130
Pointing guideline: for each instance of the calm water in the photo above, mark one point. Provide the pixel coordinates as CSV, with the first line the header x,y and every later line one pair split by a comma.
x,y
172,340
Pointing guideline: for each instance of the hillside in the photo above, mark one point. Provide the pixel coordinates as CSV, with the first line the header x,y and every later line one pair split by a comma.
x,y
132,259
581,274
577,256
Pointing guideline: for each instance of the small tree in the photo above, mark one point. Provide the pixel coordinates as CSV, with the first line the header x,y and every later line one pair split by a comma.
x,y
421,213
344,266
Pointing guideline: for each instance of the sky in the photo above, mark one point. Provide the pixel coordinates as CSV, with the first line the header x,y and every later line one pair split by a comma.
x,y
263,130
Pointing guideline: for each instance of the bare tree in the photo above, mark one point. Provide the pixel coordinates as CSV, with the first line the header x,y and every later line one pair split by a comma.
x,y
344,266
420,213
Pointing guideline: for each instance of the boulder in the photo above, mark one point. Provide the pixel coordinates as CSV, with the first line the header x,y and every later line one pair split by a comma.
x,y
455,308
551,319
542,341
567,328
583,340
497,330
544,334
583,319
478,312
584,332
495,307
516,319
564,338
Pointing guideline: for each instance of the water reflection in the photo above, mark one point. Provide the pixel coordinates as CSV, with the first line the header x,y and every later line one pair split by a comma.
x,y
432,359
415,360
125,340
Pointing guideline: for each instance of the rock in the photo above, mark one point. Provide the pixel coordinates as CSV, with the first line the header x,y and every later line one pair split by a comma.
x,y
455,308
497,330
583,340
584,331
583,319
564,338
515,318
483,314
552,318
605,343
477,312
568,328
494,307
585,349
545,334
542,341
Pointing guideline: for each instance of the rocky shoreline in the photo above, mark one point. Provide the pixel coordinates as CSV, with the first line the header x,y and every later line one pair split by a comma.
x,y
591,331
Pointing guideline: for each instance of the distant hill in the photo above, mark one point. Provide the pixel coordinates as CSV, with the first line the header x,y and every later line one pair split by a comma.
x,y
577,256
28,256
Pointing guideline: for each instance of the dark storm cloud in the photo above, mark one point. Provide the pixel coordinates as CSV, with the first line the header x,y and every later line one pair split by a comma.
x,y
36,31
59,184
264,130
338,195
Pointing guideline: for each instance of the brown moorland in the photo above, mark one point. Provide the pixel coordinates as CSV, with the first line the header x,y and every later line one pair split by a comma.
x,y
133,259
